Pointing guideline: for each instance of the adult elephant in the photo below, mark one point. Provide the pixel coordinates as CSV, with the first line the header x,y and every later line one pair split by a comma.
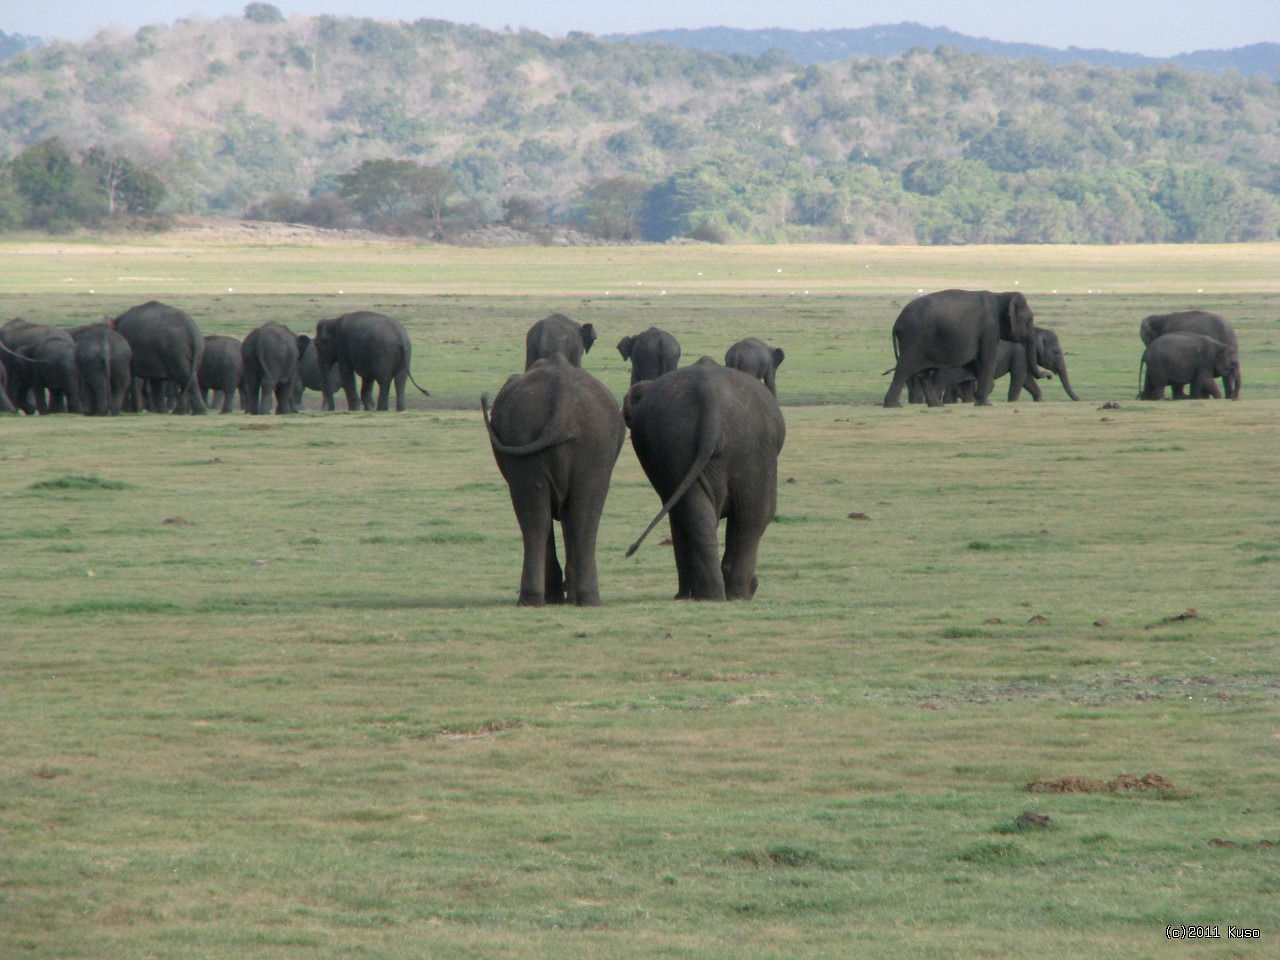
x,y
270,354
1206,324
41,365
958,328
652,353
167,346
708,438
221,373
311,377
371,346
1179,359
558,334
103,361
556,433
757,359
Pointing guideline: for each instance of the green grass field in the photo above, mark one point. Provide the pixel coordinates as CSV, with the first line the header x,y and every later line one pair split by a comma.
x,y
265,692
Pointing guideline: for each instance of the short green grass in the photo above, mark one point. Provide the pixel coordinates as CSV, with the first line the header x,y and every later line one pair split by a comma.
x,y
265,693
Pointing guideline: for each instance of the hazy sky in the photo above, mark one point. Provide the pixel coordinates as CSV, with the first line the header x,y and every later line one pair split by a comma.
x,y
1160,28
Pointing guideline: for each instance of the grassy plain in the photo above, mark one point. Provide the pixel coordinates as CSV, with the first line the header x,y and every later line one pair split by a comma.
x,y
264,691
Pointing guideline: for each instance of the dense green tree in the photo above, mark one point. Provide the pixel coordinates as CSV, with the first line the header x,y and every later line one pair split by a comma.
x,y
612,207
398,191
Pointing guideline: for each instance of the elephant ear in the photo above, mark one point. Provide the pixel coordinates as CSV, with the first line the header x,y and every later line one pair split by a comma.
x,y
624,347
778,356
588,337
303,342
634,396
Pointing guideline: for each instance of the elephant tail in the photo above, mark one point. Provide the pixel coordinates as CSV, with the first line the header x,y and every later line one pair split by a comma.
x,y
552,435
708,438
423,390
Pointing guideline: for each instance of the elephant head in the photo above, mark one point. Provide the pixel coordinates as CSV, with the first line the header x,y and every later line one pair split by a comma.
x,y
326,342
588,337
1017,321
1050,356
624,347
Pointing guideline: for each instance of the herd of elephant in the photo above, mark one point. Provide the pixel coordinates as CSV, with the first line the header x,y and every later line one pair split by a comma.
x,y
153,357
954,344
707,435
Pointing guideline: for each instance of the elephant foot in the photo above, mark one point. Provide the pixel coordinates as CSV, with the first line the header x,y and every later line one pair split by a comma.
x,y
534,600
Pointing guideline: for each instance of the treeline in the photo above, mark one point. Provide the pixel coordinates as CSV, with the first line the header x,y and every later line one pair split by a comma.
x,y
434,128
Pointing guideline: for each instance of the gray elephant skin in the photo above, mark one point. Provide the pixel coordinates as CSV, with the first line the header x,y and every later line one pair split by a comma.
x,y
757,359
556,433
104,361
370,346
1204,323
271,353
167,346
1178,359
40,363
558,334
958,328
708,438
652,353
221,373
311,377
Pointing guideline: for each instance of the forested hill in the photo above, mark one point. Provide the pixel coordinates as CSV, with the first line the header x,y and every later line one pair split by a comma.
x,y
891,40
435,127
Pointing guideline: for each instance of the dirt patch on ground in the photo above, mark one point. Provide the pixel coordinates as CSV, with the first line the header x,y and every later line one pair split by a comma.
x,y
1121,784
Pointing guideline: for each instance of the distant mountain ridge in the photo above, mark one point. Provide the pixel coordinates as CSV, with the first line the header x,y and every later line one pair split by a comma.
x,y
808,47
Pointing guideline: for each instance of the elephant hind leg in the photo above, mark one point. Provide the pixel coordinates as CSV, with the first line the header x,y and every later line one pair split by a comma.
x,y
694,528
553,575
742,546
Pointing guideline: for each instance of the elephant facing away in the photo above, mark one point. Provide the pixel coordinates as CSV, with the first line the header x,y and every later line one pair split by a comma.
x,y
221,374
326,382
167,346
1186,358
369,345
652,353
558,334
41,365
556,433
708,438
271,353
757,359
103,359
959,328
1204,323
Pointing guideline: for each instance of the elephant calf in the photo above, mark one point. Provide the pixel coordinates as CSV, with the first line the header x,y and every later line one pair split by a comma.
x,y
708,438
558,334
1178,359
652,353
556,433
756,358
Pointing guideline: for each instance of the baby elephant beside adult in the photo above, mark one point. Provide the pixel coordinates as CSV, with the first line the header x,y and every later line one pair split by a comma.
x,y
371,346
708,438
959,328
556,433
271,353
1179,359
1204,323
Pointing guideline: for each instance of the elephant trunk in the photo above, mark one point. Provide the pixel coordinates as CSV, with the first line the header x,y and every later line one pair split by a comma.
x,y
1066,382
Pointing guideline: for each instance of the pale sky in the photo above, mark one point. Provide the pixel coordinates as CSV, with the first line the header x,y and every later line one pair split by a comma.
x,y
1160,28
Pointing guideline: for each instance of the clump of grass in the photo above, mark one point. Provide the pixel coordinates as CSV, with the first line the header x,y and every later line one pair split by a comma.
x,y
77,482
